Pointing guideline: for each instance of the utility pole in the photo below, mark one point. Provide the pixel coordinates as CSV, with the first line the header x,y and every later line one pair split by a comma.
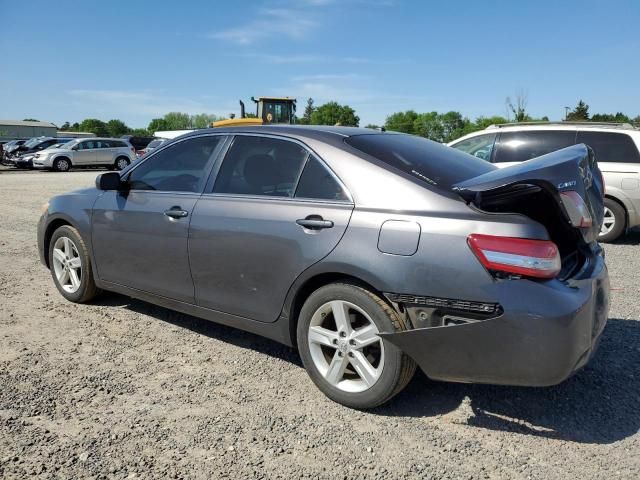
x,y
566,112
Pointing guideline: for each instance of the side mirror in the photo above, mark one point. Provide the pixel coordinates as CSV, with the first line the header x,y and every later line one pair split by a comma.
x,y
109,181
75,147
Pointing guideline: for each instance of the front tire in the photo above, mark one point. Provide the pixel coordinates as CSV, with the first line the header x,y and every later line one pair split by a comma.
x,y
340,348
614,221
61,165
70,265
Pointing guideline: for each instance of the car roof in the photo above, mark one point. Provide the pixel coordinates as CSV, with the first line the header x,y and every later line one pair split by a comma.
x,y
333,135
557,126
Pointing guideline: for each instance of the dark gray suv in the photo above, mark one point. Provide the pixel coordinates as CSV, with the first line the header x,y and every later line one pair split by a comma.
x,y
370,252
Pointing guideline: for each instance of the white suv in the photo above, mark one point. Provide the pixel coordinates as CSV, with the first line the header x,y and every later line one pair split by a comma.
x,y
114,153
616,148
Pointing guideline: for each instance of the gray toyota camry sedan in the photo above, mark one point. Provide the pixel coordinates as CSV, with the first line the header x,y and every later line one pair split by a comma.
x,y
370,252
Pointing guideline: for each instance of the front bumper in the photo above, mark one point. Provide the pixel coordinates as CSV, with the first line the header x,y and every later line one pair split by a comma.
x,y
546,332
42,227
21,163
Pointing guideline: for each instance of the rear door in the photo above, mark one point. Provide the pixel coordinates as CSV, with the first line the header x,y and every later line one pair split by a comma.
x,y
85,153
519,146
273,211
104,152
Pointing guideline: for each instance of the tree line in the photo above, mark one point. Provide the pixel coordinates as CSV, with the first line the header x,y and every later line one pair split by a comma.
x,y
440,127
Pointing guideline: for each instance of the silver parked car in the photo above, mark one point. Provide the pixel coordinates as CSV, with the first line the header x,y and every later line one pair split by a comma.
x,y
113,153
153,144
370,252
616,147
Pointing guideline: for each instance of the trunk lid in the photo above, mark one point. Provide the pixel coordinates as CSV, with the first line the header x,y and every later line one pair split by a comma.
x,y
538,188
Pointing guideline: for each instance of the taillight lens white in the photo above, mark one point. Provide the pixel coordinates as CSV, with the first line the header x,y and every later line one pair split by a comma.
x,y
520,256
577,209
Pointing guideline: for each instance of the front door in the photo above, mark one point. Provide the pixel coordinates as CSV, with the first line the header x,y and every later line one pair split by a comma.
x,y
274,211
139,236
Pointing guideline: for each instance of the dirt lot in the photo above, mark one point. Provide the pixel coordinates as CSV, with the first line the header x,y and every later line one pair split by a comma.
x,y
123,389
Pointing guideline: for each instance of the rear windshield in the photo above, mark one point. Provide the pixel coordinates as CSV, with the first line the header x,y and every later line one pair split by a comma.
x,y
431,162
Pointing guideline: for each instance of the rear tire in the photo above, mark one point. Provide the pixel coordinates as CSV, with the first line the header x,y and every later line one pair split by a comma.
x,y
121,163
614,222
61,164
351,364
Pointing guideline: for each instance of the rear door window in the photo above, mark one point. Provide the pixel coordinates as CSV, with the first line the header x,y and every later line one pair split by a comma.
x,y
317,182
610,146
261,166
480,146
525,145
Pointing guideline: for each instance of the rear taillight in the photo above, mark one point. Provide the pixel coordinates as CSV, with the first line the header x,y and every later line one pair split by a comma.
x,y
577,209
519,256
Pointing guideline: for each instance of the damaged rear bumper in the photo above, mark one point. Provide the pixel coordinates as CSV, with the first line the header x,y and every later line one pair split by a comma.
x,y
547,331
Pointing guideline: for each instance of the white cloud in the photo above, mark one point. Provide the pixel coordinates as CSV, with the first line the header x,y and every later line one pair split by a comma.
x,y
292,23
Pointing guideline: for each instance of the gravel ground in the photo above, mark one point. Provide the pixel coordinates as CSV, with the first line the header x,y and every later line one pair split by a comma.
x,y
124,389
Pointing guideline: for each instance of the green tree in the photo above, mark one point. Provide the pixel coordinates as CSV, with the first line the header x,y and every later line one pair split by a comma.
x,y
308,112
202,120
30,120
619,117
75,127
333,113
157,124
580,113
66,126
140,132
94,125
117,128
372,126
177,121
428,125
483,122
401,121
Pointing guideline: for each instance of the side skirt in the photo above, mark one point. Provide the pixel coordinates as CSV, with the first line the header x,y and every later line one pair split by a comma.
x,y
278,330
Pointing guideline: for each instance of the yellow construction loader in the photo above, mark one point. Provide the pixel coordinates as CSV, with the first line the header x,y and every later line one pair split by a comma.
x,y
269,110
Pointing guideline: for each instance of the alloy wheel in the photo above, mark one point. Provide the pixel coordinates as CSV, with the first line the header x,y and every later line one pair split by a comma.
x,y
62,165
345,346
121,164
67,264
608,221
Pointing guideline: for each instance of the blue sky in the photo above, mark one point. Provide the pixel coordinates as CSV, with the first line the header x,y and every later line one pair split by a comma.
x,y
137,60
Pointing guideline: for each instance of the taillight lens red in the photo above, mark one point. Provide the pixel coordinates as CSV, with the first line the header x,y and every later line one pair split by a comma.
x,y
577,209
520,256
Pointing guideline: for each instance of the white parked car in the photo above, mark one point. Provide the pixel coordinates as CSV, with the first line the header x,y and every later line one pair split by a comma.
x,y
113,153
616,148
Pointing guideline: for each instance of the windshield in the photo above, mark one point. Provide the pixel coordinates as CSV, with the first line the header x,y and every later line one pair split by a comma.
x,y
68,145
32,142
431,162
155,143
55,145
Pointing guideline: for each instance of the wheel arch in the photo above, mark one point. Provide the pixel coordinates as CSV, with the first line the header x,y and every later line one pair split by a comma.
x,y
301,292
624,208
52,226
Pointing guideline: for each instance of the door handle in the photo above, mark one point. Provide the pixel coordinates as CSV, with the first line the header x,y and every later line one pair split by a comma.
x,y
176,212
314,222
